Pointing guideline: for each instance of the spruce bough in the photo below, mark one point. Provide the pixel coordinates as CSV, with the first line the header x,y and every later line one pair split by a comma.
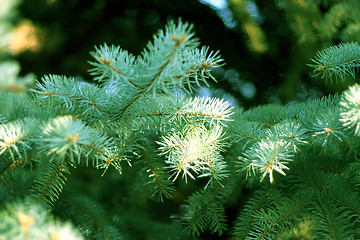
x,y
299,163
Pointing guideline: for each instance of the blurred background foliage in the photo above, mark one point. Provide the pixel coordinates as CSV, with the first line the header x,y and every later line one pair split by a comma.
x,y
266,44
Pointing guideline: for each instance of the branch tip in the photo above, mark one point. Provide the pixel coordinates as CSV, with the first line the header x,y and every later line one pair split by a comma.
x,y
182,38
103,60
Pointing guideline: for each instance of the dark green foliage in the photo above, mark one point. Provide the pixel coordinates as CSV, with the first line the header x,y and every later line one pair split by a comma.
x,y
90,218
49,183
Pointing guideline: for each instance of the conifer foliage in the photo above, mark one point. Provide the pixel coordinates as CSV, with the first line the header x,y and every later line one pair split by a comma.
x,y
298,162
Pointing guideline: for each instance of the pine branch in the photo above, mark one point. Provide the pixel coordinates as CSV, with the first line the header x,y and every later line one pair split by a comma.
x,y
267,156
179,109
339,61
49,183
113,65
286,212
169,63
350,108
246,131
65,138
17,106
264,218
213,110
196,152
327,128
273,151
16,138
159,178
333,221
205,212
246,220
80,99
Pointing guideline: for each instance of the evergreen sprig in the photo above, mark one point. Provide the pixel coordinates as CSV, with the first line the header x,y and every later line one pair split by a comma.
x,y
16,138
350,104
77,98
171,61
338,61
205,211
49,184
156,174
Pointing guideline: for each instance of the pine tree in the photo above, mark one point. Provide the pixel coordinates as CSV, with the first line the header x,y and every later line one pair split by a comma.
x,y
141,127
